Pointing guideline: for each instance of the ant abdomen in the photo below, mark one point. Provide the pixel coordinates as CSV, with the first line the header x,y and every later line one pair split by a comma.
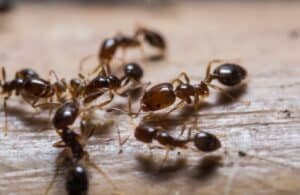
x,y
230,74
158,97
26,73
77,181
65,115
206,142
145,133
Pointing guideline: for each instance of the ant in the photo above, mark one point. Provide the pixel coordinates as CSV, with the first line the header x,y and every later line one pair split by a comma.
x,y
110,46
165,94
203,141
32,89
74,158
111,84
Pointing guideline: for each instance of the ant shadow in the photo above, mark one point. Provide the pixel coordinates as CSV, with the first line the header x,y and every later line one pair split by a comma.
x,y
206,168
31,121
236,92
155,58
155,170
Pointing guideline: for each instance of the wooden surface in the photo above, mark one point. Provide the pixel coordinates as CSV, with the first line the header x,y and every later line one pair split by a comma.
x,y
264,38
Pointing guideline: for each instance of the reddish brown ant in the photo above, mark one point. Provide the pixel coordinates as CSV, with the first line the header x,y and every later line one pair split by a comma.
x,y
165,94
203,141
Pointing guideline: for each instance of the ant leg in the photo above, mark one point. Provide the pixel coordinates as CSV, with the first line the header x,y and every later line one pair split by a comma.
x,y
59,144
111,97
83,60
121,143
106,69
3,74
59,163
208,67
185,76
123,54
5,129
86,132
50,105
165,158
57,170
150,149
129,104
179,105
52,72
107,178
226,93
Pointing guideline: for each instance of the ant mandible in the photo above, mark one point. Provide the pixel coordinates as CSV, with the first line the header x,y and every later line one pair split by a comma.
x,y
164,95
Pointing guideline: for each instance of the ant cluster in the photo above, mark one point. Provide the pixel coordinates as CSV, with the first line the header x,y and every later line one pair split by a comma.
x,y
75,99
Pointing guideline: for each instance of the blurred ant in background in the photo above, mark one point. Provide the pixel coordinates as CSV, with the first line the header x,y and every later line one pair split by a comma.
x,y
110,46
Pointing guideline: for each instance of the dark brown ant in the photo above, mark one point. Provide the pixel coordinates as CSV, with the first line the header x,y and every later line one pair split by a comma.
x,y
74,158
28,84
109,48
165,94
203,141
112,85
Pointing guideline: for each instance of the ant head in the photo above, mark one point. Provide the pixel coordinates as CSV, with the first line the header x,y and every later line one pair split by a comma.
x,y
206,142
114,82
77,180
133,70
230,74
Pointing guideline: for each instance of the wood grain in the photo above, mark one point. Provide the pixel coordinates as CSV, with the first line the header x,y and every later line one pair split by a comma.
x,y
263,36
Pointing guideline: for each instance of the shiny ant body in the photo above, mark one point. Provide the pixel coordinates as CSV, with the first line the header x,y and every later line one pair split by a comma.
x,y
165,94
74,159
108,84
203,141
32,88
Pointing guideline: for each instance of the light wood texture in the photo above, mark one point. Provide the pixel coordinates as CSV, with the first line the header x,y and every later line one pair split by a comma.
x,y
257,34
